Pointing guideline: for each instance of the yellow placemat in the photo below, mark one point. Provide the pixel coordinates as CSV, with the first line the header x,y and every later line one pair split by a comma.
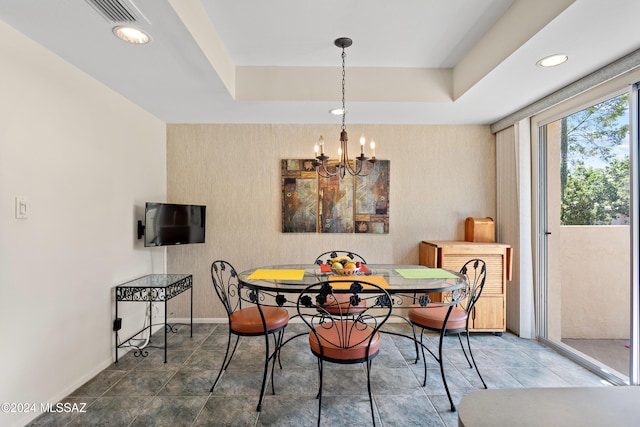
x,y
425,273
264,274
378,280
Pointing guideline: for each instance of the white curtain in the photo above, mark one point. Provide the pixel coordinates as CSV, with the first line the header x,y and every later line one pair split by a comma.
x,y
513,173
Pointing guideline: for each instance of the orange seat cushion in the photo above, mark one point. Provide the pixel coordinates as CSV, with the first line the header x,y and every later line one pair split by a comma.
x,y
248,320
339,304
343,341
433,315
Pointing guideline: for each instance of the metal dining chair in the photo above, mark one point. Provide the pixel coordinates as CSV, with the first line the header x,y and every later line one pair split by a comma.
x,y
340,301
340,336
451,317
255,320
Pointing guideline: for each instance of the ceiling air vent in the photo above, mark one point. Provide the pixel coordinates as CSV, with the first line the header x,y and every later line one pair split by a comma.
x,y
117,11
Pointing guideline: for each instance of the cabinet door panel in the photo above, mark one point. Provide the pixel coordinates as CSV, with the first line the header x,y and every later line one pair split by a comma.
x,y
452,255
455,262
488,314
493,283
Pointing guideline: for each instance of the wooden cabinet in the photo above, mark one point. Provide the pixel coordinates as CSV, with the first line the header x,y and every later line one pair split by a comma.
x,y
489,314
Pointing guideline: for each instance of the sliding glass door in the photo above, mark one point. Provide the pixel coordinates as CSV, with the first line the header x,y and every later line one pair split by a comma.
x,y
585,235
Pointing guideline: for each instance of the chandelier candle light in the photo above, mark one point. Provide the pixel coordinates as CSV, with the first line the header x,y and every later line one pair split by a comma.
x,y
343,166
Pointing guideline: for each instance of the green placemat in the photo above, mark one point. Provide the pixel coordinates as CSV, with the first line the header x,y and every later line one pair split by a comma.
x,y
425,273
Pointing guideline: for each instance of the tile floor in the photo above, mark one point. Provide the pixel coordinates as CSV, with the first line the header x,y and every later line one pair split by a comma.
x,y
147,392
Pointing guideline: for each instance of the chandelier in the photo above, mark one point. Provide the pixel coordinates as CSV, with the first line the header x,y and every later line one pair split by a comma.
x,y
363,165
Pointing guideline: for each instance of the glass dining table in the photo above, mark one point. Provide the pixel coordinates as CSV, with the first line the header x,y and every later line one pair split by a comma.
x,y
406,284
396,279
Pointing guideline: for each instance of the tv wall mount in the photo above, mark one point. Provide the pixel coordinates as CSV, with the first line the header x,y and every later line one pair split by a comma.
x,y
141,228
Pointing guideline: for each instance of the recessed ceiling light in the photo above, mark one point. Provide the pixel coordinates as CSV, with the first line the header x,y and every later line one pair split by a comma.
x,y
337,111
131,35
553,60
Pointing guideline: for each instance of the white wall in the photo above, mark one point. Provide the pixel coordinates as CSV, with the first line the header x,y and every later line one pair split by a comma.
x,y
86,159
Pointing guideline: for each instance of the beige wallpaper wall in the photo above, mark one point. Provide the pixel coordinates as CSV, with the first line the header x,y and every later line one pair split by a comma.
x,y
440,174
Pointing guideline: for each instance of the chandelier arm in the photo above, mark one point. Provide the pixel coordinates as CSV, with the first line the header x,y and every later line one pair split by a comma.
x,y
327,174
358,163
361,170
352,171
322,175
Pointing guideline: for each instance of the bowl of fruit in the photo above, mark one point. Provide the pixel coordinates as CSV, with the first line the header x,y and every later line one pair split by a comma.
x,y
344,266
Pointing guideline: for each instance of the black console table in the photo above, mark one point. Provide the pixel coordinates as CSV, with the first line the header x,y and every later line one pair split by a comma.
x,y
151,288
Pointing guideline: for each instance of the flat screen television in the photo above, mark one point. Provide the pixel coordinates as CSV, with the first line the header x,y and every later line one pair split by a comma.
x,y
172,224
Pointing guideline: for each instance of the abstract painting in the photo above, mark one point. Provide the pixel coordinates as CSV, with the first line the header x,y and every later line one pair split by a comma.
x,y
311,203
299,197
372,200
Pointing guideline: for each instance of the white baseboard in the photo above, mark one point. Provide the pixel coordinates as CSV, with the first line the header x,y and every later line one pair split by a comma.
x,y
198,320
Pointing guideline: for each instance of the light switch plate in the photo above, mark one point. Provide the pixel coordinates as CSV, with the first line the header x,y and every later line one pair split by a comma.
x,y
21,208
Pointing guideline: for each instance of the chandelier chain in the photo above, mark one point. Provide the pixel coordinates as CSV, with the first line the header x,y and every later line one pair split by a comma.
x,y
344,110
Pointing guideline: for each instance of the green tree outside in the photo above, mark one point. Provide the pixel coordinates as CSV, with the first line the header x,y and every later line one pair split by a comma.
x,y
594,183
595,196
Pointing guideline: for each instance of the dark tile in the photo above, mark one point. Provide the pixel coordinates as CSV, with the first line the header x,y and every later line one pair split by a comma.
x,y
250,355
347,411
407,410
111,411
521,343
189,382
126,362
198,328
218,339
296,382
140,383
57,418
389,381
184,342
547,357
227,411
389,355
204,359
146,391
405,342
170,411
441,403
344,382
289,411
155,360
456,382
239,383
433,367
537,377
508,357
409,355
450,419
490,341
99,384
295,329
493,377
297,354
